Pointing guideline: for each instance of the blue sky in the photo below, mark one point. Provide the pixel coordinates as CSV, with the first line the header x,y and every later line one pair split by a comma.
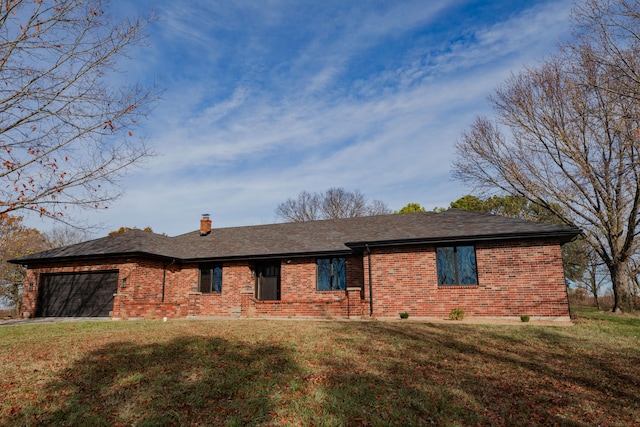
x,y
263,100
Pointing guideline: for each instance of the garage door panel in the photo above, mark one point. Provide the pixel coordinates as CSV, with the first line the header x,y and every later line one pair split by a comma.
x,y
56,299
77,294
98,299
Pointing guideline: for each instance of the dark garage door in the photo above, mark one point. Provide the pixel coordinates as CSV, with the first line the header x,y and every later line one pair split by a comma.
x,y
77,294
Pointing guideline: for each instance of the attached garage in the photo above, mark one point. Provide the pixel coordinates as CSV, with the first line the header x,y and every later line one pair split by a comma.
x,y
83,294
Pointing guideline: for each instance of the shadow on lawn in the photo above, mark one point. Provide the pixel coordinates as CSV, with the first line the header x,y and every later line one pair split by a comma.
x,y
187,381
459,376
366,374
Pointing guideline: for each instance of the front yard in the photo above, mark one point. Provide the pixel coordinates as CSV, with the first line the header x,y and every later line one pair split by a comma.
x,y
369,373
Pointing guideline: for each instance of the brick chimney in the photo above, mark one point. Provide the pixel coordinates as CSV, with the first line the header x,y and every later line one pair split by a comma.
x,y
205,225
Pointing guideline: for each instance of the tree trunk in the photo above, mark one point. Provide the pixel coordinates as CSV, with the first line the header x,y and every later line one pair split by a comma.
x,y
621,290
17,298
593,283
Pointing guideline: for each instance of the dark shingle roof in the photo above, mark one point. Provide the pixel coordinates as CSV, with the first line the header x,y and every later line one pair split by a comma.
x,y
133,242
314,237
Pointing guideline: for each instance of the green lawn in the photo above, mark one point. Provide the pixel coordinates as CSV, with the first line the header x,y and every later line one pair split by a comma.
x,y
248,372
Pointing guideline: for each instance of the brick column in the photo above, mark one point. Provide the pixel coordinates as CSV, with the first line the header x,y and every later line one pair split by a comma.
x,y
355,302
246,303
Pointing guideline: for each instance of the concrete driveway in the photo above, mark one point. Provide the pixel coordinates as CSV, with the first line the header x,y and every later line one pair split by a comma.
x,y
37,320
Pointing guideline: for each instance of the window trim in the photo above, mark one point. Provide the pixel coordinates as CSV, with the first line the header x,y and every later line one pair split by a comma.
x,y
331,275
211,271
457,266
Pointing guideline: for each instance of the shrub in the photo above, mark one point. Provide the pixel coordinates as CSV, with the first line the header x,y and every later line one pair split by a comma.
x,y
456,314
525,318
404,315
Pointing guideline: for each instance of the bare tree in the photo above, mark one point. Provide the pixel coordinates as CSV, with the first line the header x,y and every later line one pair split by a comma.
x,y
66,125
339,203
305,208
607,34
567,136
65,235
378,207
593,277
332,204
633,271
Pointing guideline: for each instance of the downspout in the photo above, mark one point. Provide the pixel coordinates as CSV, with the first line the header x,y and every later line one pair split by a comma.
x,y
370,281
164,276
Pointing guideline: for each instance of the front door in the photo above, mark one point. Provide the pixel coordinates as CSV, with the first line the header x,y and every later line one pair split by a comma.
x,y
268,281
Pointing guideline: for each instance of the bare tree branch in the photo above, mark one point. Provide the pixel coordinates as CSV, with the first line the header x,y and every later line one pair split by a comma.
x,y
66,132
332,204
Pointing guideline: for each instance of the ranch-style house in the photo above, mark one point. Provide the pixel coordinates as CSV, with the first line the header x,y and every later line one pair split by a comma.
x,y
425,264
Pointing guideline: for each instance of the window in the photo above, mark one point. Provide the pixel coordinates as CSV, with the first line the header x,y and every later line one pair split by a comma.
x,y
332,274
457,265
210,279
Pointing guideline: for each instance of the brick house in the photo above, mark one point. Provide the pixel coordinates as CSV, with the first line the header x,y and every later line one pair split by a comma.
x,y
424,263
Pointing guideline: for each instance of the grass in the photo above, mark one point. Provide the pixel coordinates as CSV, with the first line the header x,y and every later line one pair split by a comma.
x,y
331,373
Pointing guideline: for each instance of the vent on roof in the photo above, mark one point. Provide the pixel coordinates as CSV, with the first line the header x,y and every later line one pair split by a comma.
x,y
205,225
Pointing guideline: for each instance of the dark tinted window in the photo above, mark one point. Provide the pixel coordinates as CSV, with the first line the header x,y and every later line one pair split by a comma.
x,y
331,274
210,279
457,265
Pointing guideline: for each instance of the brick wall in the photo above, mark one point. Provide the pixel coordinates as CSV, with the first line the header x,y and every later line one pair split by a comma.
x,y
236,278
300,298
514,278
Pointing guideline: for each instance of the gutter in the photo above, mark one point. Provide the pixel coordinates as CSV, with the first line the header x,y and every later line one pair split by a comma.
x,y
268,257
370,281
564,237
27,261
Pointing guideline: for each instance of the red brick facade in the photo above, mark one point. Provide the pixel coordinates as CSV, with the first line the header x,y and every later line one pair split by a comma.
x,y
514,278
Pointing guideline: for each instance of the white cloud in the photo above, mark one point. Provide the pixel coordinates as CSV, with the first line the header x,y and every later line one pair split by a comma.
x,y
235,146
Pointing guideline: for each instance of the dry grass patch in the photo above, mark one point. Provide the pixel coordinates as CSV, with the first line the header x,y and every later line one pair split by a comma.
x,y
321,373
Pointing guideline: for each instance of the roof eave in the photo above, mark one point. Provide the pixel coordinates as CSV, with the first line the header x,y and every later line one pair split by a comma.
x,y
563,236
265,257
73,258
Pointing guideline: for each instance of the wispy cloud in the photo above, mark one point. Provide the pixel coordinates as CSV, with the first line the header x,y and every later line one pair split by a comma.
x,y
263,102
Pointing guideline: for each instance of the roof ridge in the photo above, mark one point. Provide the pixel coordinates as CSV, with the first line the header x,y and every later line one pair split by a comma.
x,y
315,221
